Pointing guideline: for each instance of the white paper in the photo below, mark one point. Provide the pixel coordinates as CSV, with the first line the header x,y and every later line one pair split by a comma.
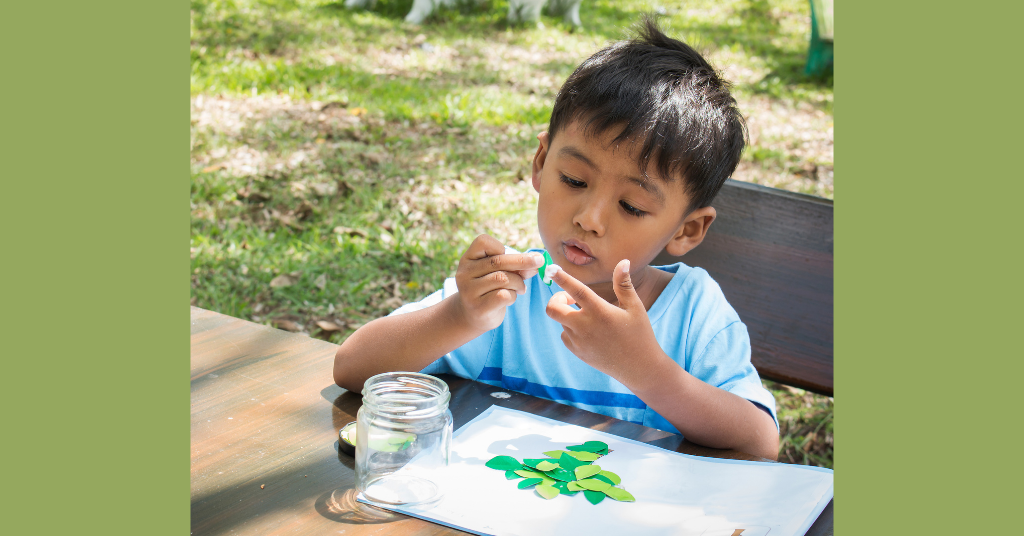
x,y
676,494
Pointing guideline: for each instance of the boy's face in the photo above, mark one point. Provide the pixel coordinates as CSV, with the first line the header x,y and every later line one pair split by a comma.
x,y
595,209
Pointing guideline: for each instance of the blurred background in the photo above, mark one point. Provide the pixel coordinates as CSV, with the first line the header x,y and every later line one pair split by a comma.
x,y
343,159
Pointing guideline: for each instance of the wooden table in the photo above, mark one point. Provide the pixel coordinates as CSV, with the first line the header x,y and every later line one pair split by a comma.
x,y
265,421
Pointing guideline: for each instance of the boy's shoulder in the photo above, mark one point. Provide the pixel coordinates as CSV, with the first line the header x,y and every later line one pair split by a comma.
x,y
693,293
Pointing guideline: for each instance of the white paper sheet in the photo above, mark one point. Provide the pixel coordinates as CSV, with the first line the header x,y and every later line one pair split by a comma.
x,y
676,494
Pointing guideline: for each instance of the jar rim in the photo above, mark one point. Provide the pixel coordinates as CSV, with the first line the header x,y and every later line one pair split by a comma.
x,y
431,393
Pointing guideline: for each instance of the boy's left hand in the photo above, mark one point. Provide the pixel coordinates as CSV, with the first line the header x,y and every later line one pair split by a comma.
x,y
608,337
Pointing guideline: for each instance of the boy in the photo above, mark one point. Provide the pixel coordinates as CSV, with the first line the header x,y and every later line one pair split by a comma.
x,y
642,136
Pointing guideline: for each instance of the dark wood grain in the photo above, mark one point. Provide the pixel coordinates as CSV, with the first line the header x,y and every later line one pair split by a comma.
x,y
771,252
266,412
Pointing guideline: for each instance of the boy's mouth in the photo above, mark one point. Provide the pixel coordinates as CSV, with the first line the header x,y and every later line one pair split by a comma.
x,y
577,252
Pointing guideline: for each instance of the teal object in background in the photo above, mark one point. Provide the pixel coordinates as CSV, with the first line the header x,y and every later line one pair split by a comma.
x,y
819,55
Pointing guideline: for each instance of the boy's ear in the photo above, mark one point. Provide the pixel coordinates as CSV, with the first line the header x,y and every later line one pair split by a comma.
x,y
538,159
691,233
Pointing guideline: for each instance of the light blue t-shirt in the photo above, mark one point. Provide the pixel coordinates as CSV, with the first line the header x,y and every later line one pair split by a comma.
x,y
692,322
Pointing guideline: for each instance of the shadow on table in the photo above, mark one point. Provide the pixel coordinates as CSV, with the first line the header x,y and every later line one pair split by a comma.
x,y
340,505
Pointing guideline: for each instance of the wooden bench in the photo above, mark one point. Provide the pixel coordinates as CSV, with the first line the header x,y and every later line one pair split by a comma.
x,y
771,252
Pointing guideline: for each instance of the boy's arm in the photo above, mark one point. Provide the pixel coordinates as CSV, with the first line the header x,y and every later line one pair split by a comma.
x,y
600,334
406,342
488,281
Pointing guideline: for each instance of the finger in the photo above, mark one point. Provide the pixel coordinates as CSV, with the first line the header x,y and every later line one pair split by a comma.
x,y
501,297
580,293
498,280
484,246
623,286
526,274
513,262
560,308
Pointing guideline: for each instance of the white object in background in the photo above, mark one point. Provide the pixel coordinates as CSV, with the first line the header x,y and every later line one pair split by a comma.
x,y
676,494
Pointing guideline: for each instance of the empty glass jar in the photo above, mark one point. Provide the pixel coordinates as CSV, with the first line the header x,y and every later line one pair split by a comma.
x,y
403,437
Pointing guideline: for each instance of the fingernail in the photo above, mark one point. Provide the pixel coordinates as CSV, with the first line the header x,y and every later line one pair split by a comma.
x,y
538,260
625,267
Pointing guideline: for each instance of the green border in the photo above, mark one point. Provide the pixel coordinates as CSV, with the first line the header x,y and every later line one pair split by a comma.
x,y
95,153
928,267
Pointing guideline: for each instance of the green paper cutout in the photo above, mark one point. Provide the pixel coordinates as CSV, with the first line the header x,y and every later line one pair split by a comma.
x,y
620,494
593,484
532,462
585,456
504,463
611,476
587,471
546,466
529,482
569,462
562,474
563,487
543,269
546,491
525,473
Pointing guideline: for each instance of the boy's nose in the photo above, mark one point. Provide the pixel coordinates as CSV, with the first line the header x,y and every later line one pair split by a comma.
x,y
590,218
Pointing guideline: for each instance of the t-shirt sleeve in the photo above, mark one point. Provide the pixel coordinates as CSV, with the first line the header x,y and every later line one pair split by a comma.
x,y
725,363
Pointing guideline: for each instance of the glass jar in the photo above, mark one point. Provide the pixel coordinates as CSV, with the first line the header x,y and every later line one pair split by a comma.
x,y
403,437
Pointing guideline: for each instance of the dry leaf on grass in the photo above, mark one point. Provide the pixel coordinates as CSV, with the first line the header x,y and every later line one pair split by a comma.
x,y
327,325
321,281
283,280
350,231
286,325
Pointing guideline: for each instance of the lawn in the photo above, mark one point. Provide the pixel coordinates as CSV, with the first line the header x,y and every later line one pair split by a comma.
x,y
343,160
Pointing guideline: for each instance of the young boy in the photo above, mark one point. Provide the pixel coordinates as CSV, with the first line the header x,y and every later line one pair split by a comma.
x,y
642,136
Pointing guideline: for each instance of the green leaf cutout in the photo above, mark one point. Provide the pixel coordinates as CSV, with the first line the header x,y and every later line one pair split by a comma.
x,y
595,446
532,462
603,478
585,456
587,471
593,484
556,454
576,448
620,494
511,475
525,473
573,486
546,491
563,487
611,476
593,496
529,482
546,466
562,474
504,463
569,462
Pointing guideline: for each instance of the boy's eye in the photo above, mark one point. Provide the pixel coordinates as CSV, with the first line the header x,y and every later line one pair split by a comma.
x,y
631,210
572,183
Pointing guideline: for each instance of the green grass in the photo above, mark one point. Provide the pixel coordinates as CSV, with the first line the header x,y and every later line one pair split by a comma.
x,y
354,157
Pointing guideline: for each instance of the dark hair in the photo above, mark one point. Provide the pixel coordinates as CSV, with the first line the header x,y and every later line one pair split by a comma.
x,y
664,94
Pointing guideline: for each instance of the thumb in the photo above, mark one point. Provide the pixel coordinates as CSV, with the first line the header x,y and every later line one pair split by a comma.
x,y
623,286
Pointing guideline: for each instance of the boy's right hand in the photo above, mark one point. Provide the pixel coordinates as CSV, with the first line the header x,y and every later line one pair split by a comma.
x,y
489,281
